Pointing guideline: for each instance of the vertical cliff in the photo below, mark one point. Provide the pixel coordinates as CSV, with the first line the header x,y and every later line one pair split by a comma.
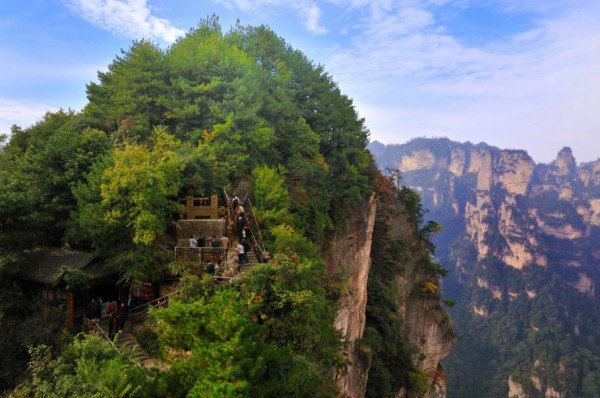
x,y
383,232
349,256
407,328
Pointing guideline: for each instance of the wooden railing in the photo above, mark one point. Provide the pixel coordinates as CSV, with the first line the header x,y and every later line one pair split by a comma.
x,y
201,255
257,244
255,239
94,327
139,312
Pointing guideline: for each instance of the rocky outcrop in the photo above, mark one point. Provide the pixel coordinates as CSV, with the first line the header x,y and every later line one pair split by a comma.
x,y
349,255
515,390
426,326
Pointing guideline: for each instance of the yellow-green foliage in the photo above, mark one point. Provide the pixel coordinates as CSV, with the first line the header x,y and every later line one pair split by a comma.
x,y
140,187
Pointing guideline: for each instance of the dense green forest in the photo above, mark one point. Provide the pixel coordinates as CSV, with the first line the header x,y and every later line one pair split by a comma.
x,y
212,110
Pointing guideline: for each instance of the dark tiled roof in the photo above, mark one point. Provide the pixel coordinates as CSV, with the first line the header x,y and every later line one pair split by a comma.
x,y
48,266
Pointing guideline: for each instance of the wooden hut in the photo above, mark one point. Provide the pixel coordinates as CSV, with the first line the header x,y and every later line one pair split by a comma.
x,y
201,208
68,277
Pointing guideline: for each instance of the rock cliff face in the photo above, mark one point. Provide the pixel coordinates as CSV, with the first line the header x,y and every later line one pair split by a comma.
x,y
350,255
401,264
426,326
521,239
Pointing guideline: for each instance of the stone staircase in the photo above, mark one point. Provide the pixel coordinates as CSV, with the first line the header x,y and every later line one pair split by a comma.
x,y
231,267
127,341
252,261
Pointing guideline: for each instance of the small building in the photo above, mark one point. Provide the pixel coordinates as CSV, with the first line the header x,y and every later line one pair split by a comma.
x,y
67,277
201,208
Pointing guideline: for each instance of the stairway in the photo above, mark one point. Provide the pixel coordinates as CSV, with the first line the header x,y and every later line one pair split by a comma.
x,y
128,342
252,261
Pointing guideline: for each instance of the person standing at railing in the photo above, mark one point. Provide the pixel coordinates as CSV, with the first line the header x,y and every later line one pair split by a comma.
x,y
92,310
121,316
240,252
201,240
112,317
247,247
225,244
216,245
193,241
239,228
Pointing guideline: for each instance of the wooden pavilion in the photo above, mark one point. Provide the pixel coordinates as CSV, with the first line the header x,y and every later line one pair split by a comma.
x,y
47,272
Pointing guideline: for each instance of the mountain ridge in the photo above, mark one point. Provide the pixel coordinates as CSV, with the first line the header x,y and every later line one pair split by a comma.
x,y
377,146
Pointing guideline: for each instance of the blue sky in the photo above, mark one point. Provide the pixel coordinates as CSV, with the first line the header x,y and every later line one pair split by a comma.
x,y
512,73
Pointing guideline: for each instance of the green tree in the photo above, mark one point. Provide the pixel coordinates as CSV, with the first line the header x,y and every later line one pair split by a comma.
x,y
42,165
132,96
138,191
271,198
87,367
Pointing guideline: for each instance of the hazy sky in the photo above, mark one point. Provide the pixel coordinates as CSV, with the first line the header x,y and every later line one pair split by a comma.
x,y
513,73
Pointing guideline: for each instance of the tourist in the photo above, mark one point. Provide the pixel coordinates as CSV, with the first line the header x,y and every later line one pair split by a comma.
x,y
225,244
112,317
239,227
240,252
91,310
266,257
103,306
247,247
216,244
201,240
121,316
193,241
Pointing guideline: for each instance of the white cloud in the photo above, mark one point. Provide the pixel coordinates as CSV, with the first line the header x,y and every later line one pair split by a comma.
x,y
537,89
130,18
308,11
20,113
311,16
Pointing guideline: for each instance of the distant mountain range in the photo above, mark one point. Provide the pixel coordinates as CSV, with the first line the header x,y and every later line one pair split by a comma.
x,y
522,243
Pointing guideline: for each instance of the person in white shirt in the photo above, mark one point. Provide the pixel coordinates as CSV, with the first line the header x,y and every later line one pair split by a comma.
x,y
240,251
193,241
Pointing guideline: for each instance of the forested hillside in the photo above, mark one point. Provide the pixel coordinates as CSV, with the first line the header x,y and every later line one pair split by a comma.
x,y
208,112
215,111
521,242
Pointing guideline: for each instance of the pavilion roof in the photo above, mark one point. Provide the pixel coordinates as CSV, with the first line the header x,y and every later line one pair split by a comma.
x,y
48,266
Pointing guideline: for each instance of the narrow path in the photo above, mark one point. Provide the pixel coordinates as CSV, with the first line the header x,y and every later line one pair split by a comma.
x,y
127,341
